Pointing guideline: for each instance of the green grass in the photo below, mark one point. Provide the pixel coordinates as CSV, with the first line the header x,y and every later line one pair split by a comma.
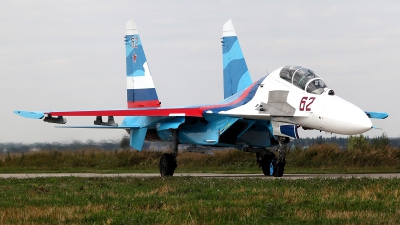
x,y
322,158
193,200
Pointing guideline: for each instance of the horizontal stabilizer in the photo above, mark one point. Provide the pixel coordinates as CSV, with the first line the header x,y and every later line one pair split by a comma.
x,y
377,115
30,115
97,127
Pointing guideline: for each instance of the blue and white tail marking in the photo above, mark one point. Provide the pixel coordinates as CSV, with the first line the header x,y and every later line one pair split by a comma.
x,y
236,74
140,87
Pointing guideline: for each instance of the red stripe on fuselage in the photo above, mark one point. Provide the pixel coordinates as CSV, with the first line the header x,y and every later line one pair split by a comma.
x,y
241,97
156,111
141,104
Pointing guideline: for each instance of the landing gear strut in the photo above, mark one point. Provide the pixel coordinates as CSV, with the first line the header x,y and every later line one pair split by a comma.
x,y
167,163
270,163
279,167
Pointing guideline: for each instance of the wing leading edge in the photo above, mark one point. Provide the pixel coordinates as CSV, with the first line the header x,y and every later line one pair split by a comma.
x,y
194,112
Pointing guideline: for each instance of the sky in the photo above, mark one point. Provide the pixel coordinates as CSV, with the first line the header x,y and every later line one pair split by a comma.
x,y
68,55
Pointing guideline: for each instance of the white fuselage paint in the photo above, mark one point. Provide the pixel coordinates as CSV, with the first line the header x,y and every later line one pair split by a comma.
x,y
323,112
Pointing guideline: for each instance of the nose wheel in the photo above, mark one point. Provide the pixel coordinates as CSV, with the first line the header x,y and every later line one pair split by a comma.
x,y
271,164
267,164
279,168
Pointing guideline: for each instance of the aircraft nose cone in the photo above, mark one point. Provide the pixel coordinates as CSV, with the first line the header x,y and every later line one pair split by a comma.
x,y
344,117
358,121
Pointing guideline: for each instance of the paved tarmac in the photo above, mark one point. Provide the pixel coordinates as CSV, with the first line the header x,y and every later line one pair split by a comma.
x,y
208,175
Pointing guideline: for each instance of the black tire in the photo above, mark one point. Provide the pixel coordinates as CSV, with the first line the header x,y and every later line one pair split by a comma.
x,y
279,169
167,165
266,164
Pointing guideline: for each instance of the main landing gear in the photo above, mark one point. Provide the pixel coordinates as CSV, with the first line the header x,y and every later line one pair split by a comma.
x,y
269,163
167,163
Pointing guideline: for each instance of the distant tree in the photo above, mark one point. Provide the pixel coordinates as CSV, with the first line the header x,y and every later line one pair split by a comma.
x,y
124,143
319,140
358,142
395,141
380,142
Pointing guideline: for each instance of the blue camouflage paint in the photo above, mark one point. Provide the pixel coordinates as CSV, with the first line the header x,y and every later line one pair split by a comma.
x,y
236,74
377,115
134,95
257,135
201,132
142,121
135,63
30,115
289,130
133,47
171,123
137,138
232,102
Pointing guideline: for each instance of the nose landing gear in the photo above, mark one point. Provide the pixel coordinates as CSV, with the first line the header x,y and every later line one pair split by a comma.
x,y
281,160
269,163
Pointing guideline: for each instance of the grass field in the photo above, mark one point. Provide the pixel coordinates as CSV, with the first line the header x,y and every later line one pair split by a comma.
x,y
193,200
322,158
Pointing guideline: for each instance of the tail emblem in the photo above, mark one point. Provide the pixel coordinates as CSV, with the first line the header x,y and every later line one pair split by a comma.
x,y
134,42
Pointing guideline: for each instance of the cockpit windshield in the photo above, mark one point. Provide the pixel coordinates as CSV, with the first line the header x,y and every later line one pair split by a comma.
x,y
303,78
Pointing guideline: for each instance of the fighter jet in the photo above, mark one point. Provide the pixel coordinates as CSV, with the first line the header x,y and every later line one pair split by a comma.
x,y
259,117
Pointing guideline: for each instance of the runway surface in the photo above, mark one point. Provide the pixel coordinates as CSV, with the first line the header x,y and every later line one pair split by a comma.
x,y
207,175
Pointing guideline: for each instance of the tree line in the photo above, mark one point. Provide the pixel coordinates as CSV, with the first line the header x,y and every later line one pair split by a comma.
x,y
110,145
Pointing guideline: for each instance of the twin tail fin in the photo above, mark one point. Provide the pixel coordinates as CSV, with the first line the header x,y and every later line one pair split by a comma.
x,y
140,87
236,73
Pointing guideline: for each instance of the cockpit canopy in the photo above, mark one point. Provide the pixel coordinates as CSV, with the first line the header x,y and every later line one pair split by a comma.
x,y
303,78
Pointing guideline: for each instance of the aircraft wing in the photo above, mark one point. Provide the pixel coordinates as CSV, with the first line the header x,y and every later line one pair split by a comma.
x,y
189,111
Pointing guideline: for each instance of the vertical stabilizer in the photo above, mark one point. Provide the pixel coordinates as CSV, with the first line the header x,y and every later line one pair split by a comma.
x,y
236,74
140,87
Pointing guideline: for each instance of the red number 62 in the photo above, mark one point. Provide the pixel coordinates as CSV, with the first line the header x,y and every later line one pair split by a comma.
x,y
303,103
